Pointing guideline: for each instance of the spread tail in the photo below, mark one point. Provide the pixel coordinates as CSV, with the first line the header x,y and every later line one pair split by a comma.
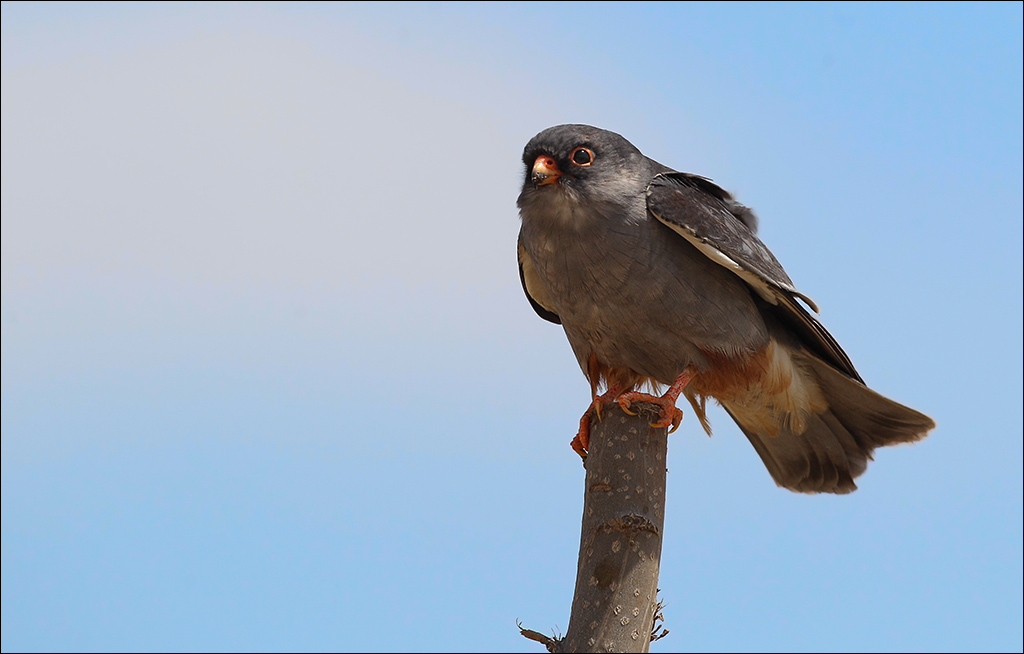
x,y
826,450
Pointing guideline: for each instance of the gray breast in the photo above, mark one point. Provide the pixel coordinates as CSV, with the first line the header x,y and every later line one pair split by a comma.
x,y
635,293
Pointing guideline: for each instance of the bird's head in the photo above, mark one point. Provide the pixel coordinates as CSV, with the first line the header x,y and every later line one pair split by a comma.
x,y
569,167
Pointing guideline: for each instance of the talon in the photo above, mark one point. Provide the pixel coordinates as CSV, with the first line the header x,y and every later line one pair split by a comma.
x,y
605,398
677,419
624,404
670,415
581,441
577,447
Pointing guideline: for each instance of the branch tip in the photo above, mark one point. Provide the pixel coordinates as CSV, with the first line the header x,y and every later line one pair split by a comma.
x,y
548,642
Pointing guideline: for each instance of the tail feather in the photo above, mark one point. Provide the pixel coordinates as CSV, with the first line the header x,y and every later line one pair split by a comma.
x,y
874,419
813,461
834,445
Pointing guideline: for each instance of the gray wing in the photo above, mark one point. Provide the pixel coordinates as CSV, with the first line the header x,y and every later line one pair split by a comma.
x,y
534,288
723,230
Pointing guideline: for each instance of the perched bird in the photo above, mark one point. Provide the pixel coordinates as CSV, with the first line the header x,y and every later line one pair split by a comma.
x,y
658,279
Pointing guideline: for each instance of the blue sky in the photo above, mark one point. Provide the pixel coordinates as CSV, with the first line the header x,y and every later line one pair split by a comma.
x,y
269,380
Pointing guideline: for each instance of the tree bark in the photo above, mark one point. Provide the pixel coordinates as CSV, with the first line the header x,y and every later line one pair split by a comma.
x,y
615,603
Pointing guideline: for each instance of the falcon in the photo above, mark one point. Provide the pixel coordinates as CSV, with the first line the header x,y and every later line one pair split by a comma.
x,y
659,280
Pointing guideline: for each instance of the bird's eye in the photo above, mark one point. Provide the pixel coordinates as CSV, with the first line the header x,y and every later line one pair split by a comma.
x,y
582,156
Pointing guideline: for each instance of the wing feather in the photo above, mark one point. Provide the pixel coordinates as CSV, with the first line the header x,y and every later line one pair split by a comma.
x,y
723,230
534,288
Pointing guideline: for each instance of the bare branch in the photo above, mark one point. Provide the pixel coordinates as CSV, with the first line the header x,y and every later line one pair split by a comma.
x,y
615,607
615,602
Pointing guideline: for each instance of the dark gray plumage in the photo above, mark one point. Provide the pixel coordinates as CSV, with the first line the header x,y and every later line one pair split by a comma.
x,y
653,273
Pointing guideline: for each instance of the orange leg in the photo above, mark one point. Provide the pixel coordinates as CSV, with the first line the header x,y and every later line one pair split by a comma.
x,y
581,442
670,415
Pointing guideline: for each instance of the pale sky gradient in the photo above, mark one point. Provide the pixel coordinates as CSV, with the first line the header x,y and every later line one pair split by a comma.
x,y
269,380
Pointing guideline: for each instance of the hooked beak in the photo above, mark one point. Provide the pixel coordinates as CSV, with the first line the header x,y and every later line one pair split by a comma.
x,y
545,171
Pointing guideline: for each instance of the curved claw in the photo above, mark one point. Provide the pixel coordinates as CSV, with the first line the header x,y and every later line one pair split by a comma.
x,y
581,441
674,422
677,419
670,415
624,404
577,445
